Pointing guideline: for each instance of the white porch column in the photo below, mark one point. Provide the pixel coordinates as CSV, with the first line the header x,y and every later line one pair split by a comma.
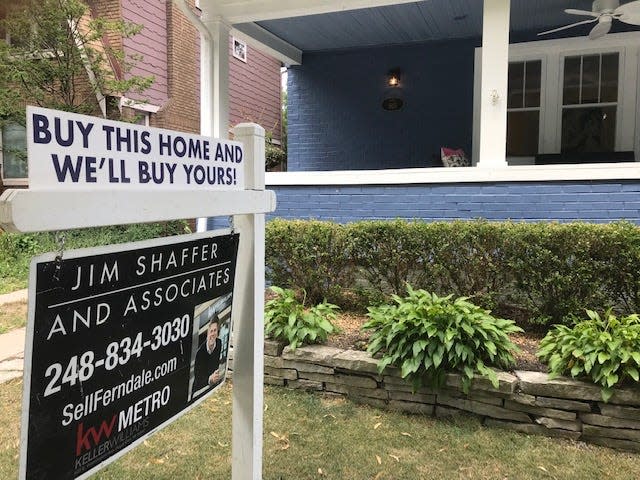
x,y
494,79
214,84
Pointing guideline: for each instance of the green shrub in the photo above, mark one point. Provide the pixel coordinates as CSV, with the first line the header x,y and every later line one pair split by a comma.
x,y
537,274
426,336
310,256
287,319
604,350
557,269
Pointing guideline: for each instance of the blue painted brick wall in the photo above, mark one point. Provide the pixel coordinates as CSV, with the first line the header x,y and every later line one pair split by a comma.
x,y
335,117
530,201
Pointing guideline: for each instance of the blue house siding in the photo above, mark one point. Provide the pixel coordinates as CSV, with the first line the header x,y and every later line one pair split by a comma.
x,y
335,115
531,201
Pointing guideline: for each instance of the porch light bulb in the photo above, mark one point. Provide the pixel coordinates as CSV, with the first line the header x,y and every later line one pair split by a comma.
x,y
393,78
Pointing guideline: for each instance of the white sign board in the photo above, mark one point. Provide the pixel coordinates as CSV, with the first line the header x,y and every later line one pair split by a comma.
x,y
68,151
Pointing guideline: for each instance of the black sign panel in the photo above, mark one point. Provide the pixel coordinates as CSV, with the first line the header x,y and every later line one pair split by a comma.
x,y
120,340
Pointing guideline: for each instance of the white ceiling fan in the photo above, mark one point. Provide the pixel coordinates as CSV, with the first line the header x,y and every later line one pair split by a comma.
x,y
604,12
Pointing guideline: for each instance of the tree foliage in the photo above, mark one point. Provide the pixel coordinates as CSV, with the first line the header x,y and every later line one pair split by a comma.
x,y
59,57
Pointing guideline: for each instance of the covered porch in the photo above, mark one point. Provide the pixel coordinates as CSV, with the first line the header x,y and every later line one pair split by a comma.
x,y
549,123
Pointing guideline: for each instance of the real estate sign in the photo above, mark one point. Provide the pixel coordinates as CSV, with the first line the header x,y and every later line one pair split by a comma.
x,y
120,341
71,151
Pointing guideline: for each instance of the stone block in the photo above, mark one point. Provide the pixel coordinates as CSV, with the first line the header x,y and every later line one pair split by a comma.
x,y
572,405
356,391
506,382
354,380
316,377
554,423
269,380
318,354
606,421
540,411
492,398
307,367
547,402
402,385
531,429
621,433
411,407
619,412
412,397
356,361
287,373
523,398
273,347
626,396
304,385
482,408
273,362
538,383
612,443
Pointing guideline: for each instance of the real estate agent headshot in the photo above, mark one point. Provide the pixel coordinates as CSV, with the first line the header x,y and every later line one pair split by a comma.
x,y
207,362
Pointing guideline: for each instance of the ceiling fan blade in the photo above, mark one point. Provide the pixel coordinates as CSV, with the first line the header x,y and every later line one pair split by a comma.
x,y
573,11
584,22
629,13
600,30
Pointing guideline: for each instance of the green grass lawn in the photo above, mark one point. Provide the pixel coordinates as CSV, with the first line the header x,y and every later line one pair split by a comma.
x,y
308,436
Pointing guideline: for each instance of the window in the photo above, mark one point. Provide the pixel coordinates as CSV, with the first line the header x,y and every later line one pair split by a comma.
x,y
13,153
572,98
523,108
590,103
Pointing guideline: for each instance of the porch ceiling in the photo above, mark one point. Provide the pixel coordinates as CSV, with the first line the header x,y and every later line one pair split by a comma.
x,y
351,26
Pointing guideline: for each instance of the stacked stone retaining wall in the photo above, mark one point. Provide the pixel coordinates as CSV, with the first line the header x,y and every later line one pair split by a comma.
x,y
528,402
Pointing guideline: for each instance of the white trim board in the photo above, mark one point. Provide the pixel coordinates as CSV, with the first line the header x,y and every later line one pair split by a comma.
x,y
527,173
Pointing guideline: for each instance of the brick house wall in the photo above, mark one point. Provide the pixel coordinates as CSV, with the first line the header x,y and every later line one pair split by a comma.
x,y
254,91
152,44
170,49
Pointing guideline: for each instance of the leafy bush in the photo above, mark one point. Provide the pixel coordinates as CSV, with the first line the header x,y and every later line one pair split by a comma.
x,y
426,336
605,350
287,319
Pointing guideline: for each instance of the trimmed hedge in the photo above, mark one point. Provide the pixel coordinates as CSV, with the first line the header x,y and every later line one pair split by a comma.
x,y
538,274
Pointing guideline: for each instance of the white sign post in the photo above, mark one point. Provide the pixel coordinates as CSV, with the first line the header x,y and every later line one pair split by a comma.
x,y
87,172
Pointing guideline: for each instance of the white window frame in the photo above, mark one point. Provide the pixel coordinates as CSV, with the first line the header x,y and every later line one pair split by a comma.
x,y
552,54
541,109
10,182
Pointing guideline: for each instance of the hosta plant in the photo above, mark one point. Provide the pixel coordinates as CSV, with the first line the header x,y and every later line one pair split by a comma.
x,y
605,350
426,336
287,319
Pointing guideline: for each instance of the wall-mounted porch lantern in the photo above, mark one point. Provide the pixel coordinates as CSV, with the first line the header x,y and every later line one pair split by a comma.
x,y
393,78
392,99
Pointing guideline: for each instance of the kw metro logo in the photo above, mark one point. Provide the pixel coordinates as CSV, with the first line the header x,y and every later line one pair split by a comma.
x,y
84,437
